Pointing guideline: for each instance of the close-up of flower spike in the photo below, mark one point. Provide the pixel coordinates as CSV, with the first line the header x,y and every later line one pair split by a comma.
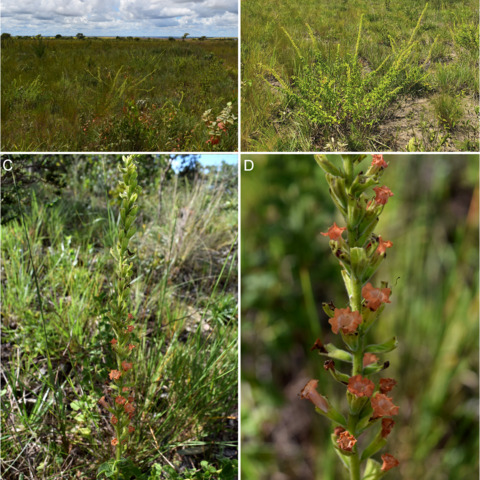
x,y
363,432
122,385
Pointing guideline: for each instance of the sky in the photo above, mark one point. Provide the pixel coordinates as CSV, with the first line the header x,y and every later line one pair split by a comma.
x,y
156,18
211,160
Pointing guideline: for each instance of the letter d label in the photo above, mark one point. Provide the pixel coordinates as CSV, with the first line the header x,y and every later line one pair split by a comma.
x,y
248,165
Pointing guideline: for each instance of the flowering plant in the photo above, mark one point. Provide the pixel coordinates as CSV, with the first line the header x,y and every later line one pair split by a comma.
x,y
122,382
219,125
360,200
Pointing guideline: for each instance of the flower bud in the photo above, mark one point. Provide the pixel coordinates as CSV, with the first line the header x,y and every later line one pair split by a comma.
x,y
309,392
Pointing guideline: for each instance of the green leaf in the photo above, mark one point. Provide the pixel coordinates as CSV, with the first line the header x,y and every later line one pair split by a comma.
x,y
108,469
372,470
377,444
337,353
333,415
375,368
127,468
327,308
382,347
326,164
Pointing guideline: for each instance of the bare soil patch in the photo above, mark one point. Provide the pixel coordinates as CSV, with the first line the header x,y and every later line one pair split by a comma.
x,y
414,118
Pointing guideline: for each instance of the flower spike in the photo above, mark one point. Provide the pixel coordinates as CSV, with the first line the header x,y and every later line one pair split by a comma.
x,y
360,199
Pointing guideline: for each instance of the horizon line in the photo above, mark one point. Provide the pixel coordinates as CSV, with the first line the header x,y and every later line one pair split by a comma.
x,y
121,36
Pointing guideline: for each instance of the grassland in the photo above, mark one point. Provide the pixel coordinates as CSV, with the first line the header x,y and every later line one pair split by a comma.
x,y
328,89
107,94
288,271
183,300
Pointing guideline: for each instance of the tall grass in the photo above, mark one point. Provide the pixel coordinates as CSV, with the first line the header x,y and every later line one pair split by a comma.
x,y
186,362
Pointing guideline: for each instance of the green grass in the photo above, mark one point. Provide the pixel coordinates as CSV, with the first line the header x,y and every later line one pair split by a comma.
x,y
184,302
288,271
116,94
447,110
281,82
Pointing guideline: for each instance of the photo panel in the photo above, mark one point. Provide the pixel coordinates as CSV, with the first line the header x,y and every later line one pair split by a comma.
x,y
360,76
119,76
359,307
119,316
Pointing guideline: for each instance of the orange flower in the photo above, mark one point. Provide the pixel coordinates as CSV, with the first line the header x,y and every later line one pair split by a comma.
x,y
130,329
382,195
115,374
360,386
375,296
369,358
378,161
387,384
131,399
383,406
125,389
389,461
309,392
131,429
114,420
114,442
113,341
120,400
346,441
387,425
346,320
334,232
127,366
130,316
129,408
130,347
382,246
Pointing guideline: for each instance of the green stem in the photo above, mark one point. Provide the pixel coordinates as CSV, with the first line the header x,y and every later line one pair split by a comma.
x,y
357,368
355,467
355,305
348,166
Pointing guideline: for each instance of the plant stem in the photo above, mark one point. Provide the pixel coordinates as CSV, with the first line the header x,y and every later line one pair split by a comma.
x,y
355,305
355,467
357,368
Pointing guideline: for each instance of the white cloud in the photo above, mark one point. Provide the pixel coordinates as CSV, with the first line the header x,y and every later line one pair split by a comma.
x,y
120,17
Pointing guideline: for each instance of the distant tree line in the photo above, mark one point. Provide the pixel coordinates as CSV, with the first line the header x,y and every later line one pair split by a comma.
x,y
81,36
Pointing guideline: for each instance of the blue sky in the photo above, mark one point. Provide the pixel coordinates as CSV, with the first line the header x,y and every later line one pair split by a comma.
x,y
212,160
216,160
156,18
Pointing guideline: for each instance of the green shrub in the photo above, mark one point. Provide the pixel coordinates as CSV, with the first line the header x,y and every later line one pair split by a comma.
x,y
342,94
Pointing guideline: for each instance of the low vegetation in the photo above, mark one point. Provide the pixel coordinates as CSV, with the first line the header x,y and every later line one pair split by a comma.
x,y
118,94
